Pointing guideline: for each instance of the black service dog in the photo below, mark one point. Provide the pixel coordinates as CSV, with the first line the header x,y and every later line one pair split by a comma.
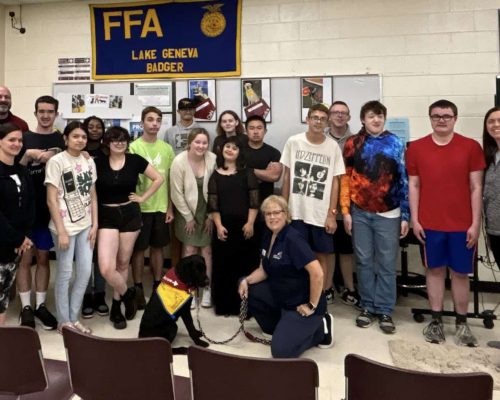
x,y
190,274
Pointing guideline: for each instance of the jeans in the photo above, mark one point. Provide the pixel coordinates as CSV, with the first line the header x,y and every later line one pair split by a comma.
x,y
97,283
376,243
69,300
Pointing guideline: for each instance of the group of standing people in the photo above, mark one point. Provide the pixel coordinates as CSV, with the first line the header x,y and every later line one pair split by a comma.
x,y
96,187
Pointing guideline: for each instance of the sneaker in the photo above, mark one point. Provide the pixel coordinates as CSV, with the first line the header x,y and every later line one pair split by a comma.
x,y
386,324
328,330
48,321
87,306
365,319
433,333
116,316
139,298
82,328
100,304
350,298
27,317
464,336
206,300
129,300
330,295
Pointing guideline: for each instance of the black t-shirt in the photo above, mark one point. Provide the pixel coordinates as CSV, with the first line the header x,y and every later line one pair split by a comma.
x,y
260,159
41,141
114,187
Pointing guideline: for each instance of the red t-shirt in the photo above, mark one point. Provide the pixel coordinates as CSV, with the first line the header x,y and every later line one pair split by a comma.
x,y
444,203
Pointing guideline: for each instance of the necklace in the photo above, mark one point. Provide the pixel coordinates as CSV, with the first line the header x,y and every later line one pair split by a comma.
x,y
116,172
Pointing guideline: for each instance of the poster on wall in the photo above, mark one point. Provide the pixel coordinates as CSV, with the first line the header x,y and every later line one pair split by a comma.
x,y
256,98
73,69
315,90
159,39
156,94
202,91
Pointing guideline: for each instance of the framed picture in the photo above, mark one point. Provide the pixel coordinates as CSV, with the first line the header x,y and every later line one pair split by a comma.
x,y
314,90
157,94
256,98
202,91
135,130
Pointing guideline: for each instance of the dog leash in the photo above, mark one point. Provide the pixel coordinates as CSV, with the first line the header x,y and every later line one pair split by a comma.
x,y
242,318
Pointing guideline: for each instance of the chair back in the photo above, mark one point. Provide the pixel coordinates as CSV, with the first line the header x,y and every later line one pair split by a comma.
x,y
367,380
125,369
21,361
216,375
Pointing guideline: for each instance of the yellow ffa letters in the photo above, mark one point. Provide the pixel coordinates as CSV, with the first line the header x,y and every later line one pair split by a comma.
x,y
150,23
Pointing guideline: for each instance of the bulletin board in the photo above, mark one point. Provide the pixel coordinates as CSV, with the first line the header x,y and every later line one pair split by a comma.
x,y
285,101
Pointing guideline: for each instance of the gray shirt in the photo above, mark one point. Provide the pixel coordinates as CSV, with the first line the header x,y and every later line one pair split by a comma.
x,y
176,136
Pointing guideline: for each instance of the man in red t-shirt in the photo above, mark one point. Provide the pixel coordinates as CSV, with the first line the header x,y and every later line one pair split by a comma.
x,y
445,172
5,114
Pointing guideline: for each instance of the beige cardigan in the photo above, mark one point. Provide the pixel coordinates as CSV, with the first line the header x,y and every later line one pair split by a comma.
x,y
183,188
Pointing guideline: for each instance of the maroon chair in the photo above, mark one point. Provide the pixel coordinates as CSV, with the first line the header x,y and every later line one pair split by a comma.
x,y
24,373
125,369
367,380
216,375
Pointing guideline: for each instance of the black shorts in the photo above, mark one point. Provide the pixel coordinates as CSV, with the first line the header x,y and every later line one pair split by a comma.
x,y
155,231
125,218
341,240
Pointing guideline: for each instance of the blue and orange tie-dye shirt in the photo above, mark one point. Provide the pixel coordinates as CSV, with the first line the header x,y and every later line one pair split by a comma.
x,y
375,178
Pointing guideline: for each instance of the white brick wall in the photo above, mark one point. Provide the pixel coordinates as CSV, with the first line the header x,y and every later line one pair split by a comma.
x,y
424,49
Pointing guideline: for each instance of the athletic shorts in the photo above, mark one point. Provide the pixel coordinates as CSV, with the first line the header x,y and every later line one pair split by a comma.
x,y
124,218
154,232
316,236
341,240
42,238
7,276
448,249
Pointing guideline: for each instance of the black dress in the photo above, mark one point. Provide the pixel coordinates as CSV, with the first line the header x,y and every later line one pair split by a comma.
x,y
232,196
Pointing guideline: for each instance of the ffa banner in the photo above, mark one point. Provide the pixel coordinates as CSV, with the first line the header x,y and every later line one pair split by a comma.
x,y
158,39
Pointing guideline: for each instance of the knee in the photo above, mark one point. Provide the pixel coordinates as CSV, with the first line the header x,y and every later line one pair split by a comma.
x,y
457,276
280,349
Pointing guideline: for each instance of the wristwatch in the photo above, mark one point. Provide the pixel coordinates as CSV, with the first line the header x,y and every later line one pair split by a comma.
x,y
311,306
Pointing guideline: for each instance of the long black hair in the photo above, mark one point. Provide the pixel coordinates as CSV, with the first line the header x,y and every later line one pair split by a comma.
x,y
240,161
490,146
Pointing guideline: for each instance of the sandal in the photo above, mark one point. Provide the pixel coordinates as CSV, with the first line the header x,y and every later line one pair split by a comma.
x,y
64,324
82,328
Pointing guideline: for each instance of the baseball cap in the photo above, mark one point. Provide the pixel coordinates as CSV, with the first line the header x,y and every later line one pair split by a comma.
x,y
185,103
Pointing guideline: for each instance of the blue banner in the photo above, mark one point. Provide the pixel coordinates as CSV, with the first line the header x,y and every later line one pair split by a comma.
x,y
158,39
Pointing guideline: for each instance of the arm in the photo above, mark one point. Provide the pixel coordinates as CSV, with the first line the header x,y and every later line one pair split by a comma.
x,y
253,201
248,227
29,155
476,190
157,179
331,216
221,230
53,203
285,188
414,196
315,287
93,207
345,202
271,174
258,275
177,189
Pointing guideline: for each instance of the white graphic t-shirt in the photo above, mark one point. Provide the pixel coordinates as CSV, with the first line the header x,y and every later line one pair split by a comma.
x,y
73,177
312,168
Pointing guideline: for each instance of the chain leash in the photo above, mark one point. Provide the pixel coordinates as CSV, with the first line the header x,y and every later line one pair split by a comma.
x,y
242,318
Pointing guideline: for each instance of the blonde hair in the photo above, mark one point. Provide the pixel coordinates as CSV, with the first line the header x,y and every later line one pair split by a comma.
x,y
280,201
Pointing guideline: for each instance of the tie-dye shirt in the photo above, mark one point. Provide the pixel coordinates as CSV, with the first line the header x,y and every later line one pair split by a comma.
x,y
375,179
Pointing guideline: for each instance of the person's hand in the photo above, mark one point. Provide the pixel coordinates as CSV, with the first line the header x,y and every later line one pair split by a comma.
x,y
189,228
419,232
85,154
92,236
33,154
330,224
25,246
348,223
304,310
209,225
63,241
45,156
221,233
169,216
405,228
135,198
472,236
247,230
243,289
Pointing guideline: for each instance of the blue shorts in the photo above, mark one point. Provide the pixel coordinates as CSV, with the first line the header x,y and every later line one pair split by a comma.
x,y
316,236
42,239
448,249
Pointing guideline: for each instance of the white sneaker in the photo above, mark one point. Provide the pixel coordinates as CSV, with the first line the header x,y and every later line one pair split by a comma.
x,y
193,303
206,301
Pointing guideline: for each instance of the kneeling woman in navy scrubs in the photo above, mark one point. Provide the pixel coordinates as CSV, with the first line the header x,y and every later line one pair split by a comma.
x,y
285,291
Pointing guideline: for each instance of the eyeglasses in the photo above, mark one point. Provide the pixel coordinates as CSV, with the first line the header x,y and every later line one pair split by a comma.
x,y
273,213
339,113
445,117
319,119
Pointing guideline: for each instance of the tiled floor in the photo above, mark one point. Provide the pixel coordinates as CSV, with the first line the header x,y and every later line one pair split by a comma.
x,y
370,342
